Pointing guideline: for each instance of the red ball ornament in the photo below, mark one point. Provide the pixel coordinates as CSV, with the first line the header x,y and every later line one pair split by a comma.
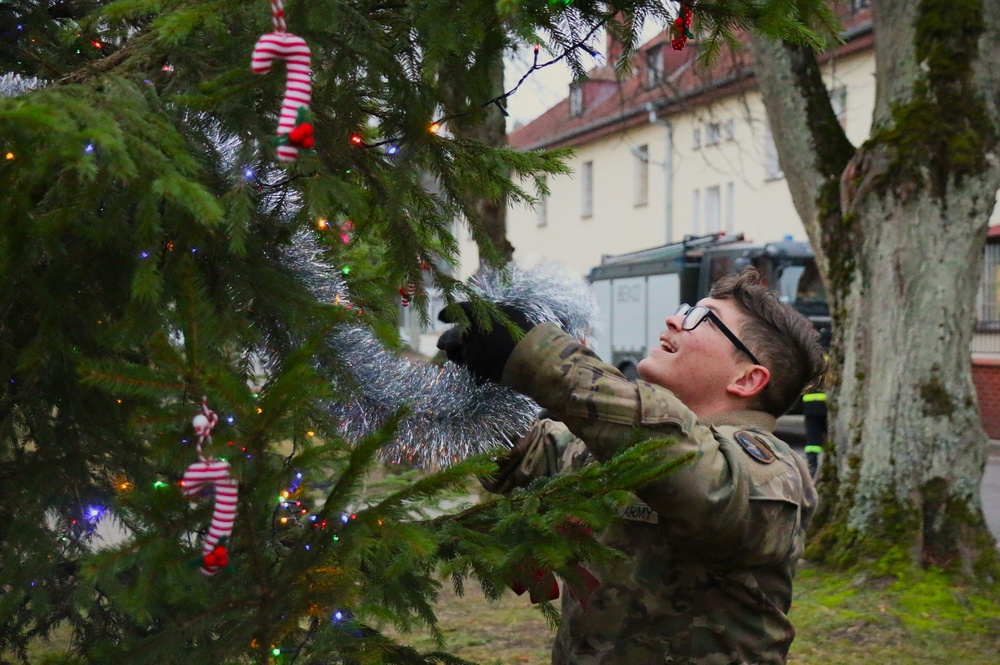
x,y
217,558
301,135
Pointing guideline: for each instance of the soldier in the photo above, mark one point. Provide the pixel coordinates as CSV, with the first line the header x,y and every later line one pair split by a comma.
x,y
710,550
814,413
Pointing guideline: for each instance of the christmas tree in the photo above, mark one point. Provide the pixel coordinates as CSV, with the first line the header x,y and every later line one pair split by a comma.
x,y
158,201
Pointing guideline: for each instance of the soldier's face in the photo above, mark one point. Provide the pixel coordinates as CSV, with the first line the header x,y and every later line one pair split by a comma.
x,y
697,365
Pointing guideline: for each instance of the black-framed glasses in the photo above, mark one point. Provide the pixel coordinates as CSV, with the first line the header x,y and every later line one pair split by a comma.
x,y
693,316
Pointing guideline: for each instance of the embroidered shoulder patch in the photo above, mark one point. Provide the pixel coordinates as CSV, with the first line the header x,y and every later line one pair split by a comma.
x,y
754,447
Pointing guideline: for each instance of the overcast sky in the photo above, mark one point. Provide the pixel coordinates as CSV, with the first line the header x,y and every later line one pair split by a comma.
x,y
549,85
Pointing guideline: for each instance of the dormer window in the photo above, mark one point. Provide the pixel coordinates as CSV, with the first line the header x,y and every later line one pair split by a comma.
x,y
654,67
576,100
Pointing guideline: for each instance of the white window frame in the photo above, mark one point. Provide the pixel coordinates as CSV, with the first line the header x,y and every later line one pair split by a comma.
x,y
730,207
713,133
713,209
641,172
654,67
575,100
587,190
542,207
696,212
838,100
988,296
772,167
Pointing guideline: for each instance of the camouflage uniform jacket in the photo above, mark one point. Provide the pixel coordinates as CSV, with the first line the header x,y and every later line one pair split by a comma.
x,y
710,551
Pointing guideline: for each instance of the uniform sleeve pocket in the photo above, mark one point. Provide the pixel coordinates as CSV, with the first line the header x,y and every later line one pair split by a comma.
x,y
659,406
603,396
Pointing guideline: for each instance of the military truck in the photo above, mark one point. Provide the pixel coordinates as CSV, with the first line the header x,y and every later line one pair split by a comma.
x,y
636,292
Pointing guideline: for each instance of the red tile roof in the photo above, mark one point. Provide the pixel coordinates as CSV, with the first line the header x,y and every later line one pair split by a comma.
x,y
610,106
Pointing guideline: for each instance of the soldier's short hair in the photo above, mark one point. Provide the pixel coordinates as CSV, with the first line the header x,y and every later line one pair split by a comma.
x,y
782,338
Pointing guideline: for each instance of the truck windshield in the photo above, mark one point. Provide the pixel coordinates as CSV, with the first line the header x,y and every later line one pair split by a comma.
x,y
799,285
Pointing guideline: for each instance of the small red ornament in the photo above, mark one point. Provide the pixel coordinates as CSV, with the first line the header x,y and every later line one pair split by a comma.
x,y
217,558
345,231
681,28
301,135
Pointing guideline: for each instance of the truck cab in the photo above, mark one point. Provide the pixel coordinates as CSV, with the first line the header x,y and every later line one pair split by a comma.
x,y
636,292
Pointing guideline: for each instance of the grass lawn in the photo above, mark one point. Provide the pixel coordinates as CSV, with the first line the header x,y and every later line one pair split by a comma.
x,y
840,620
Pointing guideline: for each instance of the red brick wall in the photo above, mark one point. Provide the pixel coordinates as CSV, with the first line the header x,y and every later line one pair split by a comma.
x,y
986,375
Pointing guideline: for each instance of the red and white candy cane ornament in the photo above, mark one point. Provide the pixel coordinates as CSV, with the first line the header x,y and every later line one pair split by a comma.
x,y
217,474
293,130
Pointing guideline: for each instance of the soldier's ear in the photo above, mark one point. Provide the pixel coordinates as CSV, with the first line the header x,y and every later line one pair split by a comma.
x,y
750,382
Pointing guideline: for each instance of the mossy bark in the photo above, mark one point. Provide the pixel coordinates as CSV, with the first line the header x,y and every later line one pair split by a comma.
x,y
901,233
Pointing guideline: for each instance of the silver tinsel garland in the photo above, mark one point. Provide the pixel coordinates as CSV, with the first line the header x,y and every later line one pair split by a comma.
x,y
545,294
449,415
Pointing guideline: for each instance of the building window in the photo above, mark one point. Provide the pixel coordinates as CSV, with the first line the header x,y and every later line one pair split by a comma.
x,y
713,206
576,100
858,5
654,67
729,129
988,300
713,133
838,100
641,170
772,169
542,207
696,139
730,207
696,212
587,207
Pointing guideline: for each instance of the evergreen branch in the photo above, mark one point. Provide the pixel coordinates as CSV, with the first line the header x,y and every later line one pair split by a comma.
x,y
97,68
580,43
144,386
632,461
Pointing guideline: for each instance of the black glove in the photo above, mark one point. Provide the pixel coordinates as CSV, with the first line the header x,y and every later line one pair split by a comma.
x,y
484,353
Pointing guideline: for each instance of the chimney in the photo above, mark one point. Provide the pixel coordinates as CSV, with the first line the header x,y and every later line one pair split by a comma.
x,y
613,47
612,50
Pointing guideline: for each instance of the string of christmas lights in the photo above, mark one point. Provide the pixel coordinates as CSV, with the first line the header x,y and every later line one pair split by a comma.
x,y
295,132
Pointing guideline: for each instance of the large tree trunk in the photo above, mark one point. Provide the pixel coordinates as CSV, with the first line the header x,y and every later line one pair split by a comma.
x,y
902,252
487,124
491,129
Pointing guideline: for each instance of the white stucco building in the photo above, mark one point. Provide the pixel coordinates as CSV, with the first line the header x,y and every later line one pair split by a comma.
x,y
679,149
675,149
